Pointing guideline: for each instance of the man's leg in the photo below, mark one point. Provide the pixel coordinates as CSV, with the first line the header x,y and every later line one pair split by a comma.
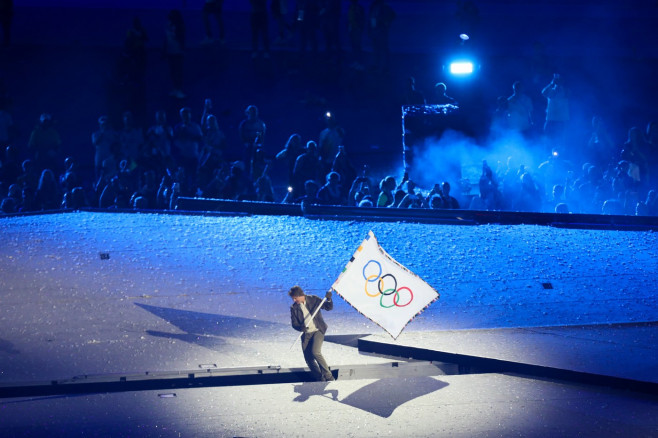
x,y
307,349
316,348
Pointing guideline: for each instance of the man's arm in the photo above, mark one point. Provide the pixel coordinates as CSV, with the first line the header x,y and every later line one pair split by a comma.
x,y
329,304
296,323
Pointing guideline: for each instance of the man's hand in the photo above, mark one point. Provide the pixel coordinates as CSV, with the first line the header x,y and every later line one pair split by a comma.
x,y
328,296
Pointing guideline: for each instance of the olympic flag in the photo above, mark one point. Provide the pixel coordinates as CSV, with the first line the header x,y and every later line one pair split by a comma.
x,y
381,289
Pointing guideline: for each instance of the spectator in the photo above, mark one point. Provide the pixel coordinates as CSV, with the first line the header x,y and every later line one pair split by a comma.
x,y
344,167
188,141
48,194
127,176
252,133
331,192
553,171
8,205
557,197
174,195
590,191
366,202
290,152
108,171
162,196
557,112
10,168
44,143
310,195
386,197
70,178
213,138
411,199
412,96
648,207
258,165
15,194
75,199
562,208
511,184
263,187
212,155
159,139
612,207
488,185
448,201
237,185
359,190
307,167
622,181
29,177
600,147
131,138
440,95
105,142
634,152
147,189
139,203
215,186
331,137
530,197
111,192
519,109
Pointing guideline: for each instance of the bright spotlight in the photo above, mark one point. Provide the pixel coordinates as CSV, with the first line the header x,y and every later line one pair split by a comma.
x,y
461,67
464,37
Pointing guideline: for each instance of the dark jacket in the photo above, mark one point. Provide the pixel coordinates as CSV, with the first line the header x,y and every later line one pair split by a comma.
x,y
312,303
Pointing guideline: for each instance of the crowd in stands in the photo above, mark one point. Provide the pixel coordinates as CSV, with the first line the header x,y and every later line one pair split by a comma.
x,y
150,167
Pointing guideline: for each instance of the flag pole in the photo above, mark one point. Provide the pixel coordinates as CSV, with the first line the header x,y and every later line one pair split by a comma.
x,y
312,317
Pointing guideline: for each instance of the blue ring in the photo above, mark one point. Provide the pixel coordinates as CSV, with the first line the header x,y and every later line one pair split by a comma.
x,y
378,275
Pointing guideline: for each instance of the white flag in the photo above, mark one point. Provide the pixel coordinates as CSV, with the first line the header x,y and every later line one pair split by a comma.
x,y
381,289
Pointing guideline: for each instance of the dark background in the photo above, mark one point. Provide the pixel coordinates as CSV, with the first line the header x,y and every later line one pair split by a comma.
x,y
64,55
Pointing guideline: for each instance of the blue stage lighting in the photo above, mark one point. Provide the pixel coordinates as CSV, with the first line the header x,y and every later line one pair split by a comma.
x,y
461,67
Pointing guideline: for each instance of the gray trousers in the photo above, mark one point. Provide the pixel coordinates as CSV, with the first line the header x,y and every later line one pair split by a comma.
x,y
312,348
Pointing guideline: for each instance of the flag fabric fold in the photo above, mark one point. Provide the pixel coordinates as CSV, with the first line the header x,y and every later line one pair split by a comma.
x,y
382,289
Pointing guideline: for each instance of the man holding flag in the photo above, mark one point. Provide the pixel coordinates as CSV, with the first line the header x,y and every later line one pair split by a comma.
x,y
305,317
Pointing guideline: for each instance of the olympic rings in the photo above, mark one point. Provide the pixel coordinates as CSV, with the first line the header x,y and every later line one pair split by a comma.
x,y
368,280
397,296
367,277
381,281
383,289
